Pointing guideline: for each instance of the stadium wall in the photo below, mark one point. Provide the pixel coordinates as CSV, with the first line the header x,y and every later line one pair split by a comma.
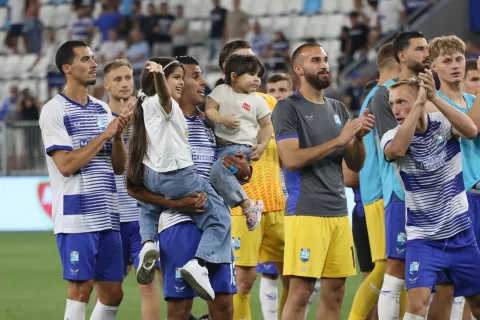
x,y
26,203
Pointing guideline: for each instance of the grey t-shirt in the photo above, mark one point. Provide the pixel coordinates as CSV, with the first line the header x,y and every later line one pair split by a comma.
x,y
318,189
381,109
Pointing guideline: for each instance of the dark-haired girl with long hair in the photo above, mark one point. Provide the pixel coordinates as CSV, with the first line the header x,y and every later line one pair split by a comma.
x,y
161,162
239,114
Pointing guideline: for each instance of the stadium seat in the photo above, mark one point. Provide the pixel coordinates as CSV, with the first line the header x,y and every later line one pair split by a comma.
x,y
3,47
267,24
261,8
47,15
317,26
3,16
277,7
193,9
283,23
198,31
30,85
330,6
40,69
294,6
346,6
334,23
28,61
199,52
294,45
42,88
298,27
63,16
212,78
11,66
61,35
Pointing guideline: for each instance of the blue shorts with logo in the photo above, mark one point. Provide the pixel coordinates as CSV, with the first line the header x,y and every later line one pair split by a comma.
x,y
267,268
92,255
132,244
474,210
178,245
395,228
457,258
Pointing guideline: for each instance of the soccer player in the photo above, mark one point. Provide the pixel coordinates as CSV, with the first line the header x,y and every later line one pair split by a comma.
x,y
85,150
371,190
118,81
448,61
410,50
471,82
425,151
314,135
179,236
266,243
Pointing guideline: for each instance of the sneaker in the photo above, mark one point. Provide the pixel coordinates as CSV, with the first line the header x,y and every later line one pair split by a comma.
x,y
254,216
148,257
197,277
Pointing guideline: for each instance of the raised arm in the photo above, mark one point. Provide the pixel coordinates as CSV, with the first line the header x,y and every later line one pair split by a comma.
x,y
119,152
161,85
462,125
355,152
263,137
398,146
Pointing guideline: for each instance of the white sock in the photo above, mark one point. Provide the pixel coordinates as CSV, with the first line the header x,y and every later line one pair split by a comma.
x,y
75,310
269,298
409,316
313,297
430,302
103,312
389,299
457,308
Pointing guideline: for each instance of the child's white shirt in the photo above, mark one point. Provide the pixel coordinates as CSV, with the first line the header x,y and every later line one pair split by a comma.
x,y
168,148
247,108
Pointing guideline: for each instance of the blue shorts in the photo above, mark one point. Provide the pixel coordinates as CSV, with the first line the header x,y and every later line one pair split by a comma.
x,y
92,255
267,268
457,258
395,228
131,243
178,245
474,209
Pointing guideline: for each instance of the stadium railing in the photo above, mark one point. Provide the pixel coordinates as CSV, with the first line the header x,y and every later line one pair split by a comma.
x,y
21,149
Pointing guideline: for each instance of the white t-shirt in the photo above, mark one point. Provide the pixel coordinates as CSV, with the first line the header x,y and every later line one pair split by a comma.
x,y
16,11
87,201
389,12
111,49
247,108
167,137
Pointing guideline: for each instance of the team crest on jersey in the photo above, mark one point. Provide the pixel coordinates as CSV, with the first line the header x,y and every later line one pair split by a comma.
x,y
304,255
440,141
74,257
236,243
178,275
336,118
102,123
401,242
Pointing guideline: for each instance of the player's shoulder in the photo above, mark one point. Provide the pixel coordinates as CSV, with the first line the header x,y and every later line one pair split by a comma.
x,y
52,107
99,102
469,97
336,104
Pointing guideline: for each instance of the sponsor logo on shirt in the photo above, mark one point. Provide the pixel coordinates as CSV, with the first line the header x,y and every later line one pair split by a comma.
x,y
246,106
433,162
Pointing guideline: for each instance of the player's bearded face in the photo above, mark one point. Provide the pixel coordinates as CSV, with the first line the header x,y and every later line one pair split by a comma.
x,y
417,66
319,79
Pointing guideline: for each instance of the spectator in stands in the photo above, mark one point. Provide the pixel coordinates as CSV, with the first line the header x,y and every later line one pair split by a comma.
x,y
16,24
237,23
82,26
412,5
108,19
312,7
391,15
149,23
112,49
134,19
279,51
29,109
371,15
217,29
55,79
472,52
353,94
344,44
90,4
357,36
137,53
178,32
163,40
32,27
8,109
258,40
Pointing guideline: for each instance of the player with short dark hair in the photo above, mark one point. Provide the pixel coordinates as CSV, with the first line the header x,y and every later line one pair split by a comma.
x,y
85,150
318,235
471,82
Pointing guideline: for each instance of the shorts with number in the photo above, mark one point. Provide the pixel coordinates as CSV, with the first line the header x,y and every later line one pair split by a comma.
x,y
375,216
264,244
395,228
178,245
319,247
92,255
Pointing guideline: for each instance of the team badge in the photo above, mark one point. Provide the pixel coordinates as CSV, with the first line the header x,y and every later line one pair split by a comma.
x,y
401,241
414,267
178,275
440,141
304,255
101,123
336,118
236,243
74,257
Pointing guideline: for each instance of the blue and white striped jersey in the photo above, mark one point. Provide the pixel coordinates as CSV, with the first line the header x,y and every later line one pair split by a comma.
x,y
87,201
431,175
129,211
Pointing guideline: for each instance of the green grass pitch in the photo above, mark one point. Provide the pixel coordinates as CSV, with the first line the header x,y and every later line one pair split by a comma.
x,y
31,284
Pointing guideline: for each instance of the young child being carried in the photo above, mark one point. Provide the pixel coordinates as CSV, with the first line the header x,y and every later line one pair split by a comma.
x,y
161,162
242,124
